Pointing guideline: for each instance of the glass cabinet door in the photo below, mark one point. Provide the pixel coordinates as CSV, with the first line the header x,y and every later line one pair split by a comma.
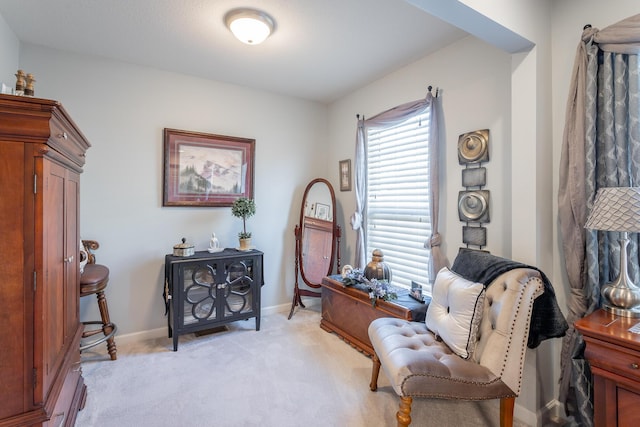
x,y
238,290
199,293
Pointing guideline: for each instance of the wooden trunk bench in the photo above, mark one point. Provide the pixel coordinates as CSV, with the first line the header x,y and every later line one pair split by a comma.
x,y
348,311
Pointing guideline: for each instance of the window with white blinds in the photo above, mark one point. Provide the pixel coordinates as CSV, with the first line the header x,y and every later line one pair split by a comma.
x,y
398,216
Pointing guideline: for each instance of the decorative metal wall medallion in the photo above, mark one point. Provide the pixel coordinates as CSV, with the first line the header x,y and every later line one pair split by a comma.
x,y
473,206
474,235
474,177
473,147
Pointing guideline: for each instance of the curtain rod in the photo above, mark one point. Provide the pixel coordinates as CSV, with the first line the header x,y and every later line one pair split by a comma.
x,y
429,88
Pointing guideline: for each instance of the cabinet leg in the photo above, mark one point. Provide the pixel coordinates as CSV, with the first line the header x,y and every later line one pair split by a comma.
x,y
258,323
175,342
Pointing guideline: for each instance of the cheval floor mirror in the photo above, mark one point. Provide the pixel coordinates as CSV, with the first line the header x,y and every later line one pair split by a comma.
x,y
317,240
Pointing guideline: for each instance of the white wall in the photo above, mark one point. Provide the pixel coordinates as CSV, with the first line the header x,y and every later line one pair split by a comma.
x,y
9,54
122,109
472,76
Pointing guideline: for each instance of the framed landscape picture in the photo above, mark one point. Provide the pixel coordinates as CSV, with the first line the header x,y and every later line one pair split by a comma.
x,y
203,169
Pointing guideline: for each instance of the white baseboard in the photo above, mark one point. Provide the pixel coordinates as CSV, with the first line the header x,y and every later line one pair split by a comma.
x,y
141,336
162,332
549,415
552,414
525,416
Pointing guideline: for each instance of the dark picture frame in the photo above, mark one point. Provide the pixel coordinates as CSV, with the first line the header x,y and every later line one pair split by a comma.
x,y
202,169
345,174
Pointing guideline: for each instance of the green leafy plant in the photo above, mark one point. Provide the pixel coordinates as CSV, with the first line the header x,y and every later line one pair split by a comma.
x,y
243,208
377,289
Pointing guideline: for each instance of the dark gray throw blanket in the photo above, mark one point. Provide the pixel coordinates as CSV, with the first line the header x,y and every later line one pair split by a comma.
x,y
547,321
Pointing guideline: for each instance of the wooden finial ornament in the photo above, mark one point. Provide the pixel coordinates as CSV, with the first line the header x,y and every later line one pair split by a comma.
x,y
29,88
20,81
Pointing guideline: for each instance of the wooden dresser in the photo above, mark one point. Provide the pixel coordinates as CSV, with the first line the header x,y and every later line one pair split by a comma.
x,y
614,356
41,157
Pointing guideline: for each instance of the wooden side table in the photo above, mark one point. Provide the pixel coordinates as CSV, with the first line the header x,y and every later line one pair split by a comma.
x,y
614,355
348,311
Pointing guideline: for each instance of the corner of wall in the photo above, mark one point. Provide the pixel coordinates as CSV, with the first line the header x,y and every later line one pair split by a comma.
x,y
9,53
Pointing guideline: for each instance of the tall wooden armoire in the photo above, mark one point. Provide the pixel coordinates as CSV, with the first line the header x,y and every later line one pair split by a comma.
x,y
42,153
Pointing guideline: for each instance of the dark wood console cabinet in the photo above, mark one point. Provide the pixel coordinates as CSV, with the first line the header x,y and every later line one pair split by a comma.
x,y
614,356
207,290
42,153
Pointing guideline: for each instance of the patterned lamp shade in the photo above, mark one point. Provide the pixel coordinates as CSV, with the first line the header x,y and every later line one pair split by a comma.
x,y
616,209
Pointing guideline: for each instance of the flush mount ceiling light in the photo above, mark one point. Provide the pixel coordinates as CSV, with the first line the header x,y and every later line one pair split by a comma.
x,y
250,26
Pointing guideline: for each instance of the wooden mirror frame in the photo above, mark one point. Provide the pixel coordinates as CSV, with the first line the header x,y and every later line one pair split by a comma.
x,y
299,257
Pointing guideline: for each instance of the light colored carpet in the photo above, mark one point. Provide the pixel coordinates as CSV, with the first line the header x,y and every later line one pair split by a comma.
x,y
290,373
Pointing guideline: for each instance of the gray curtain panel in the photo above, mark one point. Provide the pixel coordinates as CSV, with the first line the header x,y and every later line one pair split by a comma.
x,y
358,219
600,148
392,117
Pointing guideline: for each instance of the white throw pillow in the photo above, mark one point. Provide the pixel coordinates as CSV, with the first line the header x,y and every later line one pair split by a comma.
x,y
455,311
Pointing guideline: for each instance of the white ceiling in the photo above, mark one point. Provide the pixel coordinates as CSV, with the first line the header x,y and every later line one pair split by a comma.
x,y
321,49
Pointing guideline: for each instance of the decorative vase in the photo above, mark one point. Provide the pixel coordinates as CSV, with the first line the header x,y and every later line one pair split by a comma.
x,y
377,269
245,244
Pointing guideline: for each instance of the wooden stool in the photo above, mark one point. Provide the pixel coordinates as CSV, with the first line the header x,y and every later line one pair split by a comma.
x,y
93,280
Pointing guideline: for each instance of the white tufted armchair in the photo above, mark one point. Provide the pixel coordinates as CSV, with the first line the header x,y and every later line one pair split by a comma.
x,y
420,365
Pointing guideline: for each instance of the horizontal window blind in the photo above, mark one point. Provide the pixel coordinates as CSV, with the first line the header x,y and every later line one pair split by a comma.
x,y
398,219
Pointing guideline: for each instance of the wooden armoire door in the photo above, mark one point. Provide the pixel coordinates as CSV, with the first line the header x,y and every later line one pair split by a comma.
x,y
58,295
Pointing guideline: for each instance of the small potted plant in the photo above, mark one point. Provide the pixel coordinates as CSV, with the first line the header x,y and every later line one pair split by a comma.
x,y
244,208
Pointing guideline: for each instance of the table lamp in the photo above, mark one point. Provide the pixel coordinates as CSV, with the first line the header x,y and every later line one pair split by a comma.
x,y
618,209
